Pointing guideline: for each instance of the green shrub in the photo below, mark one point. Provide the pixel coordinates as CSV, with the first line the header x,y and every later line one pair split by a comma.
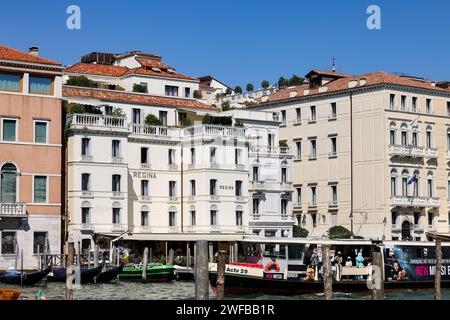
x,y
152,120
238,123
81,81
228,91
282,144
217,120
237,89
226,106
119,88
186,122
300,232
282,82
139,88
197,94
265,84
117,112
249,87
339,232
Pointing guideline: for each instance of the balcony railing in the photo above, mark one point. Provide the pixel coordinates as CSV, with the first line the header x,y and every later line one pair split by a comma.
x,y
256,216
286,186
16,209
214,131
214,197
117,227
86,157
412,201
215,228
118,194
312,156
146,166
406,151
268,149
117,160
87,227
257,185
94,120
154,131
432,153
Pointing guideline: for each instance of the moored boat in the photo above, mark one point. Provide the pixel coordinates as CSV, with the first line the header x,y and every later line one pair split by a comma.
x,y
86,275
23,278
7,294
155,272
109,275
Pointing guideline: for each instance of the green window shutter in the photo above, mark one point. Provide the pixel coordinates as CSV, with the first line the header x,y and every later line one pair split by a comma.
x,y
9,130
40,132
40,189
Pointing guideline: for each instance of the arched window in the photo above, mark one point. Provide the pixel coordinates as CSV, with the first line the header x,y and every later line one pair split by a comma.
x,y
393,182
284,172
144,216
172,217
429,137
86,212
8,185
213,215
430,184
239,215
404,135
405,178
392,134
415,137
116,208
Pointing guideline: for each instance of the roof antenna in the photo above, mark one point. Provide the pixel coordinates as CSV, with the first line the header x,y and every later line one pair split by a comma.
x,y
334,64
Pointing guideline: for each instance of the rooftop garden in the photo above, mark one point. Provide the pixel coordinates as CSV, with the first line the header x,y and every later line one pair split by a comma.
x,y
82,81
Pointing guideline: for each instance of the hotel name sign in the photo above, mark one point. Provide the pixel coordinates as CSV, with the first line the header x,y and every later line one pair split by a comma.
x,y
144,175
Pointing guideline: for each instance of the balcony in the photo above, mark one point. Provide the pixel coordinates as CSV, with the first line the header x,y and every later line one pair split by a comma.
x,y
214,165
173,167
215,228
117,227
287,217
214,197
87,227
98,121
312,204
297,205
332,154
432,153
240,199
332,116
286,186
255,216
211,131
13,210
173,229
87,158
156,132
256,185
87,194
412,201
146,166
312,156
117,160
269,150
118,195
240,167
407,151
144,229
173,199
145,199
333,203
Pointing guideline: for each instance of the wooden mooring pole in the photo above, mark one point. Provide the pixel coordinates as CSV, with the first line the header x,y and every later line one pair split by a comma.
x,y
220,282
201,270
437,276
327,274
377,276
144,264
96,255
69,266
21,267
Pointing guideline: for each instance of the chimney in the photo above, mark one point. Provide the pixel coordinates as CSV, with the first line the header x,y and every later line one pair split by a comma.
x,y
34,50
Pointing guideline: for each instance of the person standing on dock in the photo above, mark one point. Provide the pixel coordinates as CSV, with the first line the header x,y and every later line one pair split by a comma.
x,y
359,264
337,259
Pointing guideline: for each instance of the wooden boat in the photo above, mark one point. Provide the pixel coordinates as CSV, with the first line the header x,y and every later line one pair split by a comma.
x,y
155,272
109,275
25,278
86,276
284,267
183,273
6,294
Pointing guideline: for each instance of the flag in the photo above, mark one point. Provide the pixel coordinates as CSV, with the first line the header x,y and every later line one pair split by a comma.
x,y
413,179
415,122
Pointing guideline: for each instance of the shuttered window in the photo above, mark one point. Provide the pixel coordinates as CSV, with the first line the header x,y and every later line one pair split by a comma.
x,y
40,189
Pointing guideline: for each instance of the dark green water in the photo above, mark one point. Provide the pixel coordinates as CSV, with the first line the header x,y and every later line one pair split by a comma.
x,y
179,290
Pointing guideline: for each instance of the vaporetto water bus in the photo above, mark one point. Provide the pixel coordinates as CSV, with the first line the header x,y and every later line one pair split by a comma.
x,y
294,266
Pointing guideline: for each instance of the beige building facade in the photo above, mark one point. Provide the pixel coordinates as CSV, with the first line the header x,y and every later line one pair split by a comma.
x,y
371,153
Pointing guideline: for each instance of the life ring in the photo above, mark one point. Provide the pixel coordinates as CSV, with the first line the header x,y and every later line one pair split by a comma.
x,y
270,266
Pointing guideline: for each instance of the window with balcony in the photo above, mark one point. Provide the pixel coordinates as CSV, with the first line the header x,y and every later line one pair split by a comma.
x,y
41,85
404,137
9,242
144,188
298,115
415,139
255,206
255,173
312,114
144,217
40,132
172,91
172,217
333,194
85,146
393,183
116,182
171,156
430,186
136,116
238,189
416,218
9,130
392,134
192,155
415,106
163,118
429,107
115,146
313,195
392,101
40,189
271,140
405,184
416,183
429,138
10,82
239,214
333,111
8,185
394,217
40,243
144,156
403,105
430,219
312,148
213,187
172,189
85,182
192,188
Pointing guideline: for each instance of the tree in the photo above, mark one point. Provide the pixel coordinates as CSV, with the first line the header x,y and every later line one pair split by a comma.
x,y
339,232
299,232
117,112
282,82
265,84
249,87
238,123
81,81
295,80
228,91
237,89
197,94
139,88
152,120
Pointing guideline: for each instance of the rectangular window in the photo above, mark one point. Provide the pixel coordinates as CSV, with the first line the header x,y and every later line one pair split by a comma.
x,y
403,103
333,194
40,189
448,108
333,111
283,174
239,218
172,91
85,182
163,117
40,241
172,188
9,130
255,206
9,242
255,174
213,216
85,215
429,108
136,116
144,188
171,156
283,207
238,189
392,137
172,219
193,218
213,187
85,146
405,186
312,149
312,114
430,218
192,155
298,115
416,218
314,219
429,140
313,195
192,188
271,139
404,139
144,155
415,139
298,149
187,92
333,146
144,218
415,107
392,101
212,155
283,117
41,85
299,196
116,183
393,186
430,188
394,217
237,156
10,82
116,216
115,149
40,132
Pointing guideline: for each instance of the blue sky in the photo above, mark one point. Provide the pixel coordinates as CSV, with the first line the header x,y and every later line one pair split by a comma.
x,y
243,41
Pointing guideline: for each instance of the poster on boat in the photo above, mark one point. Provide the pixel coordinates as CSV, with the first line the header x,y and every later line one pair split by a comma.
x,y
414,263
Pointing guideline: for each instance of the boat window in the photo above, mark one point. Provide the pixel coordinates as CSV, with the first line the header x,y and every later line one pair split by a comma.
x,y
295,252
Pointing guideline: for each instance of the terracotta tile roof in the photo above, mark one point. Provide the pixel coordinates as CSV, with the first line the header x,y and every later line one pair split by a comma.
x,y
7,53
328,73
126,97
150,63
139,53
149,72
97,69
374,78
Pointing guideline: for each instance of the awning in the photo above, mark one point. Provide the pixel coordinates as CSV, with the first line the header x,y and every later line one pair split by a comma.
x,y
182,237
439,235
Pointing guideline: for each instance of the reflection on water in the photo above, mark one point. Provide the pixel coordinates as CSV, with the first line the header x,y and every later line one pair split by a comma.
x,y
180,290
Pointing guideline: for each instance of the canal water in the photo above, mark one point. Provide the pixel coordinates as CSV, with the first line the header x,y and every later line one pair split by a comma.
x,y
181,290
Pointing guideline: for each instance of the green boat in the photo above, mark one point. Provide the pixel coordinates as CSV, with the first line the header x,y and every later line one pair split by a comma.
x,y
155,272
